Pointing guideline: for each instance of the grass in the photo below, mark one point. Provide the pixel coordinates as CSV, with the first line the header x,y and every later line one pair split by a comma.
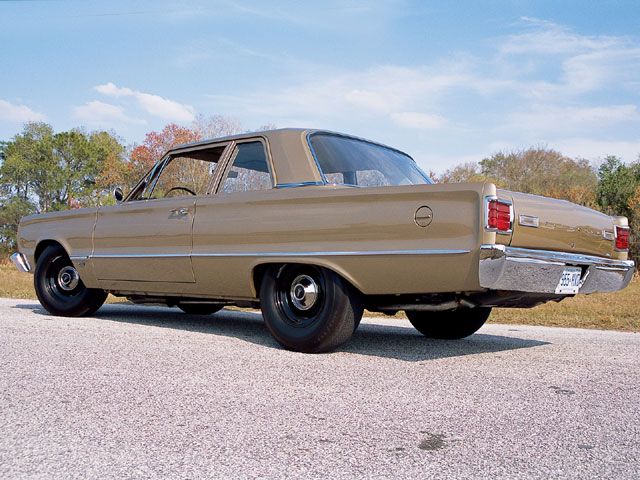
x,y
608,311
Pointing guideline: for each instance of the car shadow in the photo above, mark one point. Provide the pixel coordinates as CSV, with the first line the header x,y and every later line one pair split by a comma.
x,y
396,342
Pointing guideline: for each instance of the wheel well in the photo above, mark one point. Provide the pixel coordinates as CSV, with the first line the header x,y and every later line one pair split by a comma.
x,y
44,244
260,270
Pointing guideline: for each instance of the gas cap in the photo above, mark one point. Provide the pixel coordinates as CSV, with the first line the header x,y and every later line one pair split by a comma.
x,y
423,216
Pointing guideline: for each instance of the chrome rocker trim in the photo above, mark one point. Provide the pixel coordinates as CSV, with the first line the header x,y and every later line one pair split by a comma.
x,y
328,253
21,262
539,271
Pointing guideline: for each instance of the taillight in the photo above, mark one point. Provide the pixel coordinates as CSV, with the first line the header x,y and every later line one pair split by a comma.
x,y
622,238
499,215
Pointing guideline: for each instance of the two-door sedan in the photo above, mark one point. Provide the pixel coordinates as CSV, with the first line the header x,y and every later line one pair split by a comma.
x,y
313,227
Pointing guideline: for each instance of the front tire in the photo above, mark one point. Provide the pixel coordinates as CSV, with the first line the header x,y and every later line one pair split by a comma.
x,y
59,287
307,308
451,324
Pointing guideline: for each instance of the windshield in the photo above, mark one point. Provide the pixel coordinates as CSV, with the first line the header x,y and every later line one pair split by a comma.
x,y
349,161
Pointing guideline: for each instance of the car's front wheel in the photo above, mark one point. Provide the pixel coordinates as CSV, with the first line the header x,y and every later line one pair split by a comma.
x,y
450,324
59,287
307,308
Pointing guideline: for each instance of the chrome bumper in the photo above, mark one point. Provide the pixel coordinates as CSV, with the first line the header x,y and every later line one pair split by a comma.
x,y
21,262
539,271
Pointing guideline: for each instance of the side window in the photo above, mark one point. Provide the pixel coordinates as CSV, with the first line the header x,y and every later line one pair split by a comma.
x,y
249,170
187,174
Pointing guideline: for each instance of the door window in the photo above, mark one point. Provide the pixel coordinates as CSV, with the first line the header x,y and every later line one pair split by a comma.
x,y
187,173
249,170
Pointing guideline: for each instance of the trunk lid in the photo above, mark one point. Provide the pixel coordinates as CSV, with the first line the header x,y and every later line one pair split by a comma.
x,y
561,225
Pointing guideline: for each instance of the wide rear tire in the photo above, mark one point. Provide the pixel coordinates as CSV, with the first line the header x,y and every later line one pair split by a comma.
x,y
451,324
59,287
307,308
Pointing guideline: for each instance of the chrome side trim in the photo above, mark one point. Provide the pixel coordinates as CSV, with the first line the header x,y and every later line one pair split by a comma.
x,y
21,262
552,256
286,254
539,271
297,184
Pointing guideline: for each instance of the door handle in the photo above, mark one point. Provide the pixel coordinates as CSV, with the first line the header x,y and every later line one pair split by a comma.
x,y
179,212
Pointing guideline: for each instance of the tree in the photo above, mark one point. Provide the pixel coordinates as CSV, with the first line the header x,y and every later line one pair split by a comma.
x,y
465,172
43,171
215,126
156,144
543,171
619,194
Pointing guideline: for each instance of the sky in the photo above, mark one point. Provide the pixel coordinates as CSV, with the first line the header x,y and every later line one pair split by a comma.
x,y
447,82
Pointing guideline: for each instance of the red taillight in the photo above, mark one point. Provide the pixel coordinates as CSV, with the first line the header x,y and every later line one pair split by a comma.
x,y
622,238
499,215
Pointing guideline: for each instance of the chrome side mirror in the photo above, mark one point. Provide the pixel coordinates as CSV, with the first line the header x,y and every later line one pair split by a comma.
x,y
118,195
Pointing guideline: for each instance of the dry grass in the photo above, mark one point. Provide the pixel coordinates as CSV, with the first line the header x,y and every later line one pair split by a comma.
x,y
607,311
610,311
15,284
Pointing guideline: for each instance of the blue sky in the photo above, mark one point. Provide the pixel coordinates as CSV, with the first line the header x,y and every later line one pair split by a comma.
x,y
447,82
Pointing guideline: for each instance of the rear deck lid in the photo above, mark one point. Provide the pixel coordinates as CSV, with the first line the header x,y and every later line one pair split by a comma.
x,y
549,224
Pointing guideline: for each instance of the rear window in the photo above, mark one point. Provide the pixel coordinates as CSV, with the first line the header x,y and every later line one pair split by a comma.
x,y
350,161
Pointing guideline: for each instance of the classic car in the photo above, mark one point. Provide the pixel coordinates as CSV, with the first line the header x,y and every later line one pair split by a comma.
x,y
314,227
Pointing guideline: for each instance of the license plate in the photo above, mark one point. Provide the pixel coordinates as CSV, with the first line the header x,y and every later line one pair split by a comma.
x,y
569,281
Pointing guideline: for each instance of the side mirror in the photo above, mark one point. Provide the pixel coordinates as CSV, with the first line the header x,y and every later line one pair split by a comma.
x,y
118,195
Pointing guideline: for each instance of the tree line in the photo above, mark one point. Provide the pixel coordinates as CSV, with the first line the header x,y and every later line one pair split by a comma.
x,y
612,187
42,171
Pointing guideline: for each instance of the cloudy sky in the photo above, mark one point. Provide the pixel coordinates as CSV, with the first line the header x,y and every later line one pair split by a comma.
x,y
445,81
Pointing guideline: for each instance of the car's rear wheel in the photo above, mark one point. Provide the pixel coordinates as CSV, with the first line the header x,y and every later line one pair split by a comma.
x,y
199,308
307,308
451,324
59,287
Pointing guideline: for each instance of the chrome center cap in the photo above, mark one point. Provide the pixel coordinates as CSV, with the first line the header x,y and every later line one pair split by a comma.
x,y
304,292
68,278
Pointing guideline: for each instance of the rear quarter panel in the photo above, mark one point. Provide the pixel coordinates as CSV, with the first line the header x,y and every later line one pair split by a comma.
x,y
338,219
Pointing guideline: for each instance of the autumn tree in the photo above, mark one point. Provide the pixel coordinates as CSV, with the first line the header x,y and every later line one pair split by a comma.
x,y
543,171
155,145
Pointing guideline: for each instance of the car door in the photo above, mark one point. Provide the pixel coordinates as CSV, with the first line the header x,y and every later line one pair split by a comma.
x,y
148,238
226,220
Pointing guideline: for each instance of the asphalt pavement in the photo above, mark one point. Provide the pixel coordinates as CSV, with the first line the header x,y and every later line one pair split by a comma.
x,y
150,392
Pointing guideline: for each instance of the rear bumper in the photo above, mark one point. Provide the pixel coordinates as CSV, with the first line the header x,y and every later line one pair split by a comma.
x,y
21,262
539,271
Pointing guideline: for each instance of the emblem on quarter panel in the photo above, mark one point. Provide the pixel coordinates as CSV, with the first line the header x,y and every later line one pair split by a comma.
x,y
423,216
529,221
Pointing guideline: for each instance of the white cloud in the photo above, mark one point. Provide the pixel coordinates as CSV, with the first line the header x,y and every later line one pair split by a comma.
x,y
100,113
558,119
417,120
152,104
18,113
594,149
549,38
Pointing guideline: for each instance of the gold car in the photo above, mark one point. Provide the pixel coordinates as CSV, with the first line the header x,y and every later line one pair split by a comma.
x,y
314,227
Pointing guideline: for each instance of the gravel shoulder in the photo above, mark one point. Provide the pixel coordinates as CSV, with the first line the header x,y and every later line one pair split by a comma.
x,y
152,392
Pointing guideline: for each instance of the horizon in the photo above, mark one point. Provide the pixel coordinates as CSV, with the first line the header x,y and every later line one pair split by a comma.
x,y
447,84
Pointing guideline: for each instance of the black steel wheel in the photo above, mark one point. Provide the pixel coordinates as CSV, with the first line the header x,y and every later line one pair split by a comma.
x,y
450,324
308,308
59,287
199,308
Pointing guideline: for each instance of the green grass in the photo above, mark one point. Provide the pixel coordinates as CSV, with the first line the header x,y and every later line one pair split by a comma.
x,y
610,311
